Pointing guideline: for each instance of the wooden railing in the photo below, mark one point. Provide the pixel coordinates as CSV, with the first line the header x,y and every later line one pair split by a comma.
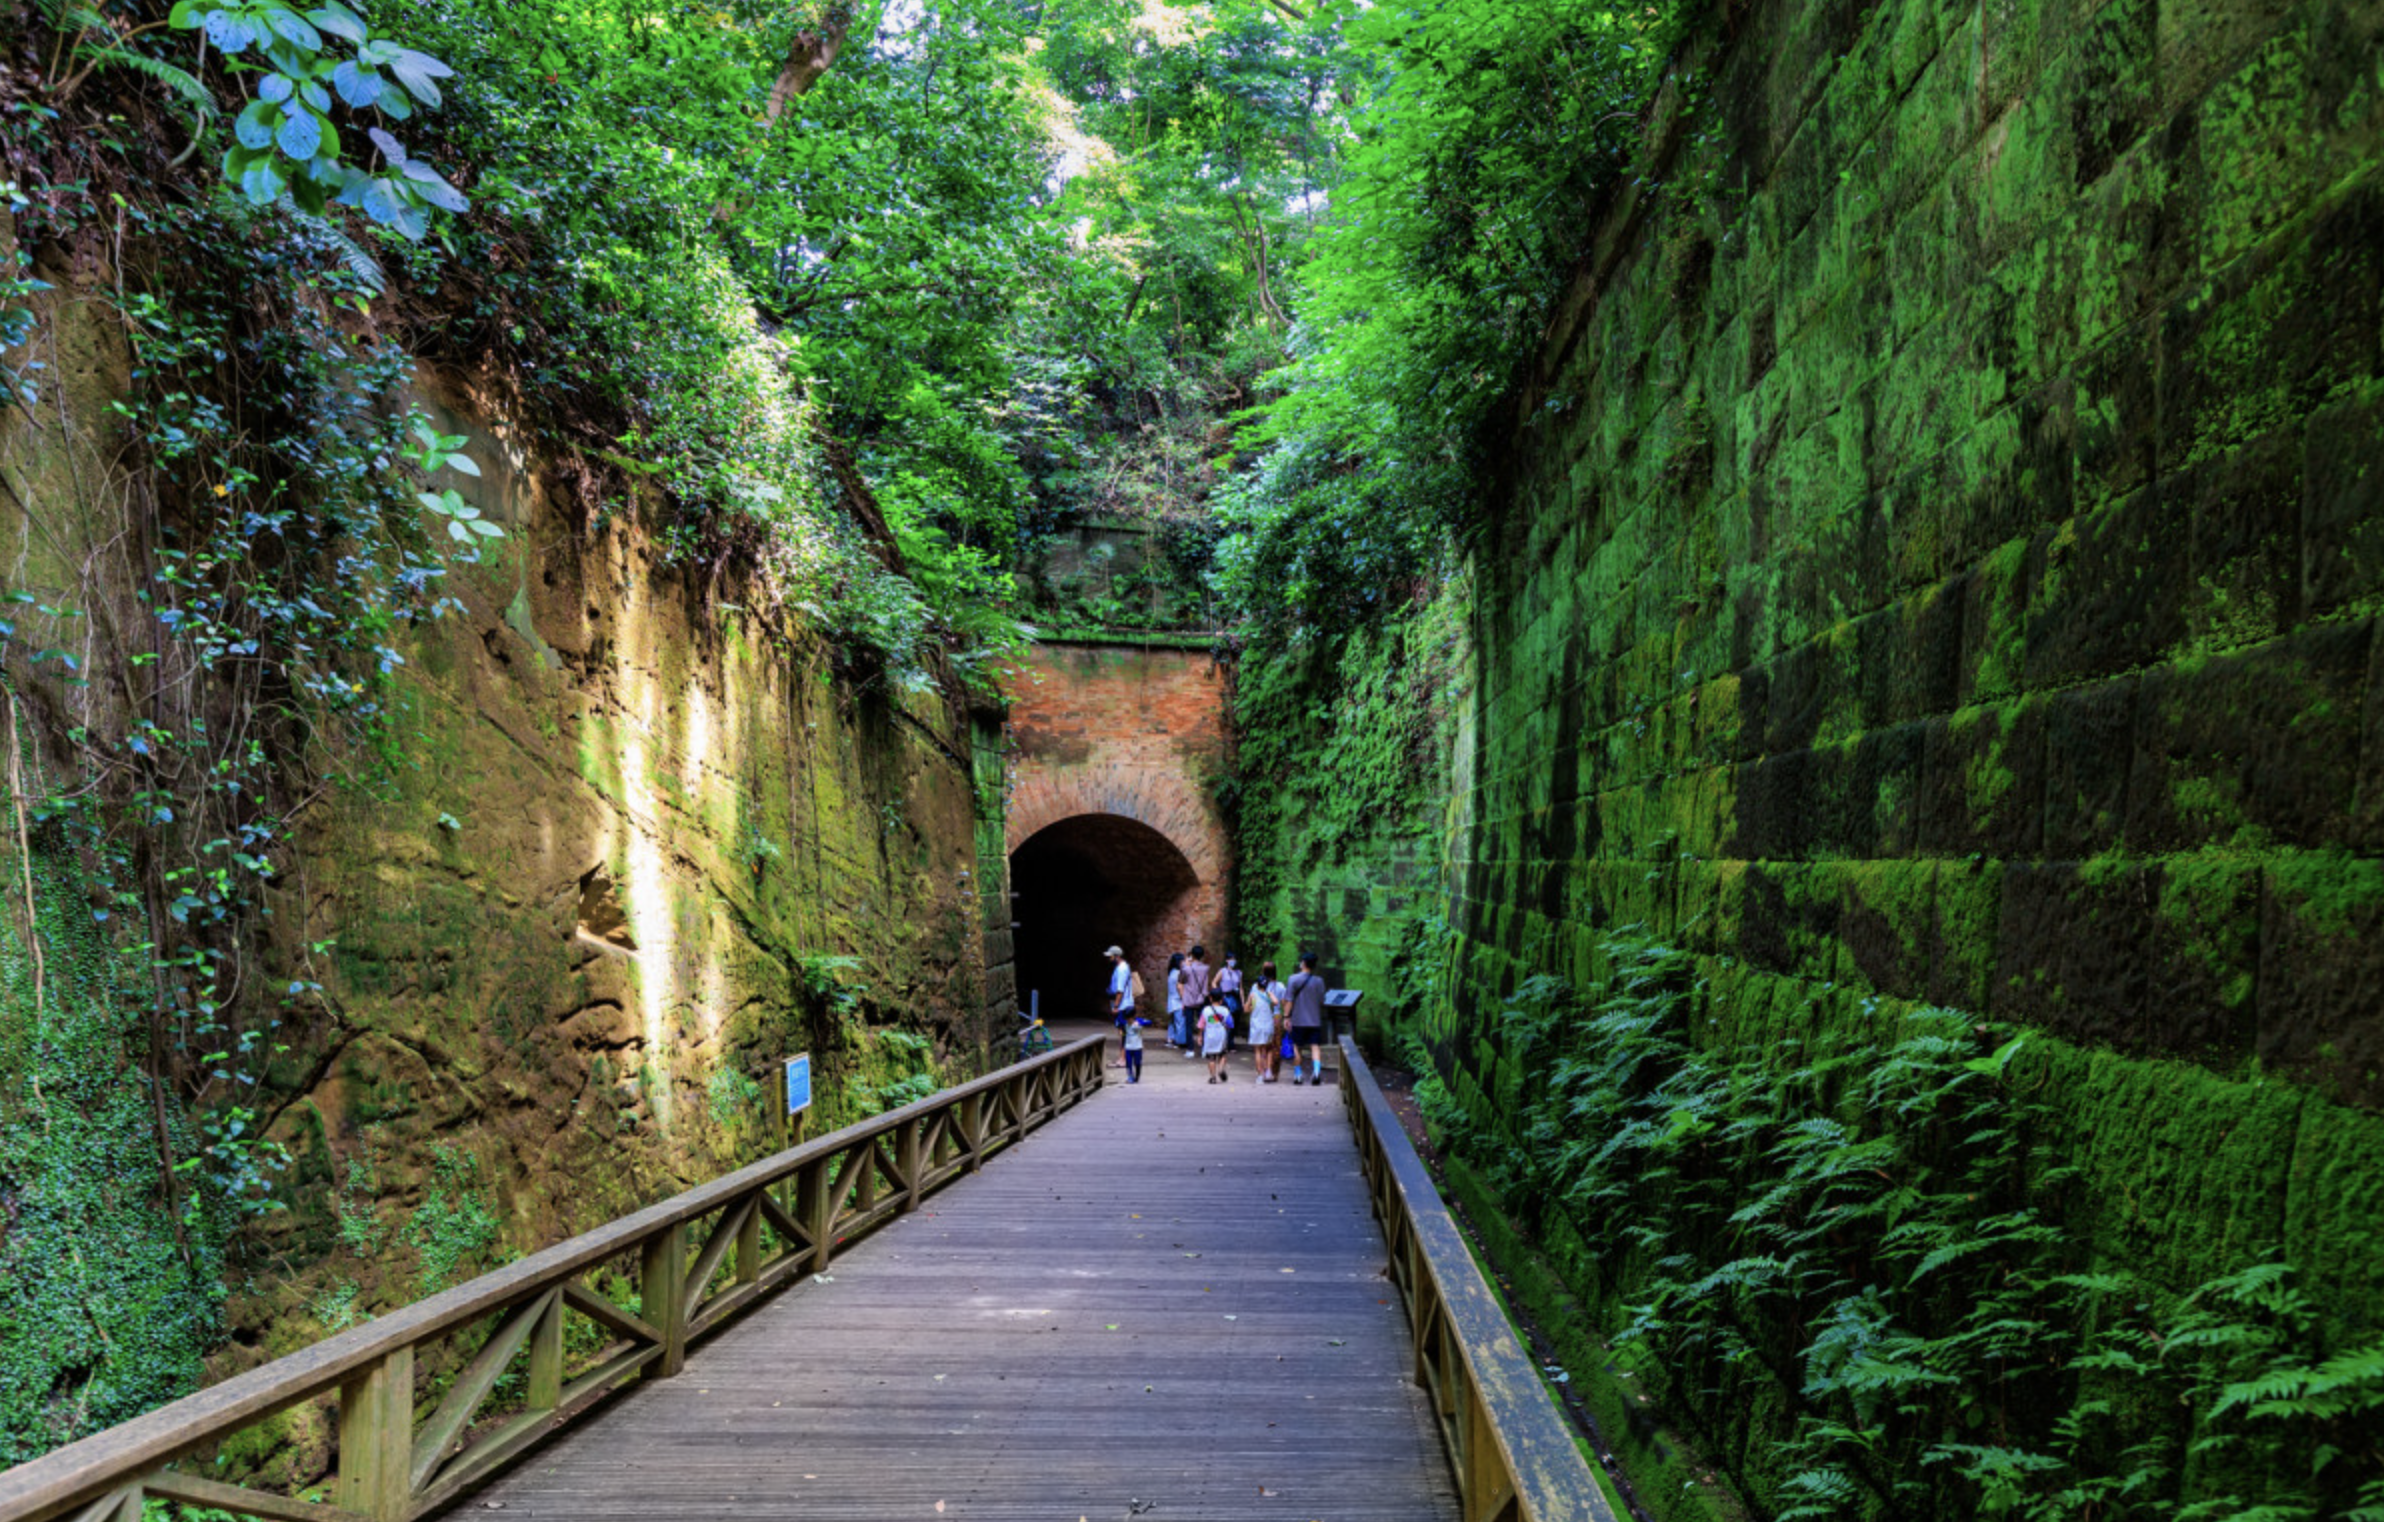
x,y
1512,1450
700,1260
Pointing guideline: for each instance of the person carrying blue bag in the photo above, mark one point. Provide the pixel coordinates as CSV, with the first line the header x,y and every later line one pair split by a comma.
x,y
1307,1021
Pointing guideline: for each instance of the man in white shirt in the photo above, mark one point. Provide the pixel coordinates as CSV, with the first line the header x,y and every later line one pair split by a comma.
x,y
1121,997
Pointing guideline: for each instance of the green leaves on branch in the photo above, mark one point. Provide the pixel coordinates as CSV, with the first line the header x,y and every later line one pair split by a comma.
x,y
286,142
433,450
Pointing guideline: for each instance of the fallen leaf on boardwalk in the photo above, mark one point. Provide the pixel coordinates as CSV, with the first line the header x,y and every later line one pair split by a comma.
x,y
1287,1270
1111,1327
939,1506
1262,1490
1335,1342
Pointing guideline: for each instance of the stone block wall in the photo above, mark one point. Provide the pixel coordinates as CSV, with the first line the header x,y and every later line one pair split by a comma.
x,y
1939,564
1952,535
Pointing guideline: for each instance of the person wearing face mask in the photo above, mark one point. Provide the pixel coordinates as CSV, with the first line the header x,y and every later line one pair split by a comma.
x,y
1229,983
1195,982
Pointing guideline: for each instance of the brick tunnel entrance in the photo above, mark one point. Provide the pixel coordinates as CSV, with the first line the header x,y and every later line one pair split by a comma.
x,y
1085,883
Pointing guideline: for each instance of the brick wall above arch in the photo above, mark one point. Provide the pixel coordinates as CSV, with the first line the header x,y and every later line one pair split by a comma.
x,y
1130,732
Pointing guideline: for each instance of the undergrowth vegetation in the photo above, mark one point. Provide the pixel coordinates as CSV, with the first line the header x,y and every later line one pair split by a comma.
x,y
1858,1237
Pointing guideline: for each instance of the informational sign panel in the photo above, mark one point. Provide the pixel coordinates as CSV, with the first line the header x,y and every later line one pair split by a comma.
x,y
1341,1009
798,1083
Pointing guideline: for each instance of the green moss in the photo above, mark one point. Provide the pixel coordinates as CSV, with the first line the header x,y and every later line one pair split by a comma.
x,y
110,1279
2327,889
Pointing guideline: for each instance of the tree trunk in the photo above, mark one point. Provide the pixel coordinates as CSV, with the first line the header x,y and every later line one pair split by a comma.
x,y
808,56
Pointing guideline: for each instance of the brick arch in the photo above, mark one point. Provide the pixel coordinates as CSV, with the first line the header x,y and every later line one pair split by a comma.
x,y
1125,735
1171,805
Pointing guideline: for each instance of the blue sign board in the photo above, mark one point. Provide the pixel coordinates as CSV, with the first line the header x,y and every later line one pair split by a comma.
x,y
798,1084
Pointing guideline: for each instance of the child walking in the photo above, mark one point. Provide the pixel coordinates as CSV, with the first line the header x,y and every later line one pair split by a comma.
x,y
1215,1023
1134,1049
1263,1009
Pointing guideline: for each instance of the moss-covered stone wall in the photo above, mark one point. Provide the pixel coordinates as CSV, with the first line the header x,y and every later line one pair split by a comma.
x,y
1937,564
624,845
633,850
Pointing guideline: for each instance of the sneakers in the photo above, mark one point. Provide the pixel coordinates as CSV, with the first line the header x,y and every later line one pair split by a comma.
x,y
1298,1078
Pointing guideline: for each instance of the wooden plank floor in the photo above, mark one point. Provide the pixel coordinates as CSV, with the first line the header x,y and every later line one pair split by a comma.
x,y
1169,1303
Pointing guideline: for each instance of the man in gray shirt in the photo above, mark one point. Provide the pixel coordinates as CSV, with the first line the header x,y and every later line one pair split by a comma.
x,y
1307,1022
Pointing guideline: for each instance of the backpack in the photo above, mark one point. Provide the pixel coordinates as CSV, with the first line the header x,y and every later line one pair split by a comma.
x,y
1134,981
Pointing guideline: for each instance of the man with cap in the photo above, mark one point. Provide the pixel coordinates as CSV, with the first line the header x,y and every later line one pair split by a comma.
x,y
1121,997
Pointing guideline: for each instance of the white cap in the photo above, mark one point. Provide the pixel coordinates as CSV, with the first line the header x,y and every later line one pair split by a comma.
x,y
1113,952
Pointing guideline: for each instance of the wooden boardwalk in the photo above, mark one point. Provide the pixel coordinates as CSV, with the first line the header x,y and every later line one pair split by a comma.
x,y
1169,1303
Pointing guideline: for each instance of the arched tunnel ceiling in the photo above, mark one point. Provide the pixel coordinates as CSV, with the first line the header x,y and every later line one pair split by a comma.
x,y
1085,883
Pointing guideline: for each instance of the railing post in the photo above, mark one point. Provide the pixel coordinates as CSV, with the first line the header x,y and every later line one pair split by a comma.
x,y
972,1130
1487,1489
911,1157
662,1294
376,1438
815,1208
546,1359
749,1245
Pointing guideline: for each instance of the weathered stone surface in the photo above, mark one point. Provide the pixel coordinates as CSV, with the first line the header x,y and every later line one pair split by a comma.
x,y
619,850
2014,647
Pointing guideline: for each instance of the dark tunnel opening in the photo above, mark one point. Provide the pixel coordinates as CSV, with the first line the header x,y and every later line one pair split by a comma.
x,y
1084,884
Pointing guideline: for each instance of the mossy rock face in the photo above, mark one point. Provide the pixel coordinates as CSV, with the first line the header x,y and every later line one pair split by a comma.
x,y
111,1288
564,937
1961,587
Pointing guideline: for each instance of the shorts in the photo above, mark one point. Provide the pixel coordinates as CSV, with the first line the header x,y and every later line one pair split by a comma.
x,y
1307,1035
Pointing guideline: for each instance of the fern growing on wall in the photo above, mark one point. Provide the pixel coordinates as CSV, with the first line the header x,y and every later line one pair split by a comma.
x,y
1861,1238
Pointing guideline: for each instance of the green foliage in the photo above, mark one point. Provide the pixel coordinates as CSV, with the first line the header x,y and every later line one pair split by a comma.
x,y
821,977
361,1230
109,1292
731,1096
1490,134
282,487
826,332
286,140
1860,1232
455,1224
17,388
1339,737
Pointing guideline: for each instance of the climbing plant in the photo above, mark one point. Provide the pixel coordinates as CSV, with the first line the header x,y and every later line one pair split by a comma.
x,y
109,1292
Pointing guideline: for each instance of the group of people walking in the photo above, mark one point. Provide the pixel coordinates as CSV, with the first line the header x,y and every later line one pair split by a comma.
x,y
1210,1013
